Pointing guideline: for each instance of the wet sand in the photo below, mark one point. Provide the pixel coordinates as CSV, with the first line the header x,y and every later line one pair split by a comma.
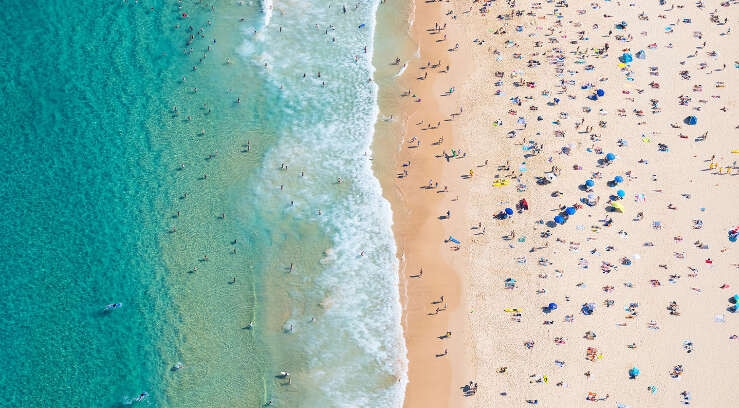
x,y
424,186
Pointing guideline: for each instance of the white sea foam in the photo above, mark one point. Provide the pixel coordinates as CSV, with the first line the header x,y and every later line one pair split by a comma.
x,y
267,6
401,70
355,351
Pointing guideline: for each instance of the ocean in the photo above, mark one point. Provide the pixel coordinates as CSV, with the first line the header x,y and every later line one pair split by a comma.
x,y
210,167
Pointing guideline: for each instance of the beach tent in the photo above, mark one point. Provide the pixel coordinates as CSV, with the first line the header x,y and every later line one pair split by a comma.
x,y
559,219
641,54
634,372
589,183
600,92
610,157
570,210
626,58
691,120
621,193
617,206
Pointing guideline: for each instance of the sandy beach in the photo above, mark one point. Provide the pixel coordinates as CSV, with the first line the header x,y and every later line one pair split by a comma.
x,y
568,186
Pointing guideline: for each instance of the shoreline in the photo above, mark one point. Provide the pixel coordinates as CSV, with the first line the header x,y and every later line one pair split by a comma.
x,y
435,362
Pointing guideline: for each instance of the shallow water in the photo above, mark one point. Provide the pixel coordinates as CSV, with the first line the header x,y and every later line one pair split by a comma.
x,y
132,177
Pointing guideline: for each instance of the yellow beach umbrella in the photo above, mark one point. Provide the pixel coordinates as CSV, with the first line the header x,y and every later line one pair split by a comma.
x,y
618,206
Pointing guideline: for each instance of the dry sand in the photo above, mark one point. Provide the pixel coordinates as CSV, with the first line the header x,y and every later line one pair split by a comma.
x,y
651,254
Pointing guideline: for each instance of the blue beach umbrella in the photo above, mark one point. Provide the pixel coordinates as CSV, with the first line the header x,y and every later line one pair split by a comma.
x,y
600,92
559,219
593,97
618,179
589,183
552,306
570,210
634,372
621,193
626,57
610,157
691,120
509,211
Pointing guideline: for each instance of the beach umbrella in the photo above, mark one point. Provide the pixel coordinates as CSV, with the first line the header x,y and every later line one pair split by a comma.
x,y
570,210
691,120
634,372
552,306
600,92
610,157
593,97
618,179
559,219
734,299
589,183
621,193
509,211
587,309
617,206
626,57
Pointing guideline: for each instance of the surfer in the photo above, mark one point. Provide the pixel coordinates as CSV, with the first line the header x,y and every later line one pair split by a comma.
x,y
113,306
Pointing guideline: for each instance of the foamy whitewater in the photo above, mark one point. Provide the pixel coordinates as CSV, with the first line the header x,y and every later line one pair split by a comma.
x,y
337,319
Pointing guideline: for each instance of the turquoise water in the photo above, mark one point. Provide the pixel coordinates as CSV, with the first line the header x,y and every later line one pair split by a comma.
x,y
81,191
153,159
